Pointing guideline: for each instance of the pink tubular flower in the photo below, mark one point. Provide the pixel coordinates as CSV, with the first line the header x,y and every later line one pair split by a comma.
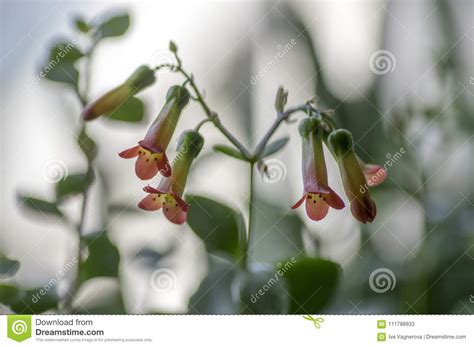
x,y
317,193
362,206
151,150
141,78
168,194
374,174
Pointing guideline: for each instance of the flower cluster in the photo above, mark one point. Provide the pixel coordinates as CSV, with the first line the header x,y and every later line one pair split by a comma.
x,y
151,150
318,196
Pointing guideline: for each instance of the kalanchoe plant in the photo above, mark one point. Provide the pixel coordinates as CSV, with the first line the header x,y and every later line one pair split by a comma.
x,y
151,151
141,78
317,193
168,194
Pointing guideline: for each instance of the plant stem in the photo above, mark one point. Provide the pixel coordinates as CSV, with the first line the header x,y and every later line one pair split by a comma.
x,y
213,115
281,116
250,220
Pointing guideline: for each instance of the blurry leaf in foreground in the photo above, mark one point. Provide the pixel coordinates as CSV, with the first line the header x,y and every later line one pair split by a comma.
x,y
221,228
114,26
8,267
36,300
103,258
231,152
39,206
312,282
132,110
8,294
279,233
263,292
64,73
73,184
214,295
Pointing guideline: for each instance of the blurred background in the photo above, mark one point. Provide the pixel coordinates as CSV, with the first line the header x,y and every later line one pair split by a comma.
x,y
399,74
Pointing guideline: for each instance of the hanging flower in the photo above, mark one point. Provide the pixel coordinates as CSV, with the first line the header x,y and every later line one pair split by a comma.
x,y
374,174
317,193
151,150
168,194
362,206
141,78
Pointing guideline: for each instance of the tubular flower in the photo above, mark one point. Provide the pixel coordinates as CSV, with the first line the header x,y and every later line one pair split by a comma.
x,y
317,193
141,78
362,206
170,190
151,150
374,174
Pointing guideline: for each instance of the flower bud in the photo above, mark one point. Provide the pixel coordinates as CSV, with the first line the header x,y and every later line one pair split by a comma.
x,y
141,78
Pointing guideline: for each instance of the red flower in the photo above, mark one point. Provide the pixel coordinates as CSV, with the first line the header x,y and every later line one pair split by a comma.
x,y
141,78
362,206
151,150
170,190
317,193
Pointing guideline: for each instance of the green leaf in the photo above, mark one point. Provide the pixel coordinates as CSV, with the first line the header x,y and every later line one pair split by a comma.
x,y
36,300
228,151
274,147
214,295
279,233
263,292
8,267
221,228
131,110
312,282
8,294
82,25
73,184
63,72
103,259
36,205
64,52
87,145
115,26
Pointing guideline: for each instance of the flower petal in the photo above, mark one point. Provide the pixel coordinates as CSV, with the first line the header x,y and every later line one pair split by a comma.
x,y
151,202
299,202
333,200
316,207
145,166
374,174
364,209
163,165
130,153
175,209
